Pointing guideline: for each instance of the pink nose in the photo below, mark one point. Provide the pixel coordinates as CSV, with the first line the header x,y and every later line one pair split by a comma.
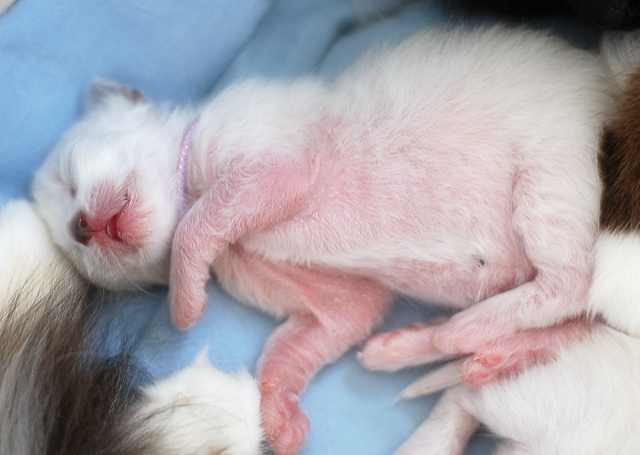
x,y
80,229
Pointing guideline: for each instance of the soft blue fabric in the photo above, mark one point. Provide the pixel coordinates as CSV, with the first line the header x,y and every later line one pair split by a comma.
x,y
177,51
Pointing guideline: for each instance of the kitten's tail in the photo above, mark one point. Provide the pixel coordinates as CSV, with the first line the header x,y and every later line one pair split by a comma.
x,y
61,393
57,394
440,379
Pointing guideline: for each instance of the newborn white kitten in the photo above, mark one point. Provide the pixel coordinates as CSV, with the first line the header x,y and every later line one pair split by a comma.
x,y
458,168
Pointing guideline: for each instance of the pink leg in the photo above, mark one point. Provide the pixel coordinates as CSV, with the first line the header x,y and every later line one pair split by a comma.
x,y
511,355
248,195
558,231
410,346
328,314
529,306
506,357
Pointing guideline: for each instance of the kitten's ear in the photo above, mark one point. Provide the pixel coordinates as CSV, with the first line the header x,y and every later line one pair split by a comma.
x,y
101,90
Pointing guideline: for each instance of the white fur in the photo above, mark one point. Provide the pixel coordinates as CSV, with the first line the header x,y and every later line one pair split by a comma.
x,y
380,108
197,411
201,410
584,403
617,277
83,159
459,168
30,263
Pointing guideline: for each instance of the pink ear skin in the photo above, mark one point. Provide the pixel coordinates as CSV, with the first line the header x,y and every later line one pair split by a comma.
x,y
512,355
327,314
247,196
100,91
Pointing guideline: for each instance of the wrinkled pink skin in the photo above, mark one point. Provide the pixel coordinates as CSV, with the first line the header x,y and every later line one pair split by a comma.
x,y
330,309
496,360
280,233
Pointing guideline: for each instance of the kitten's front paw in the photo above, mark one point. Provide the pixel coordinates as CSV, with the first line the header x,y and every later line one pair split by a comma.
x,y
186,305
392,351
285,424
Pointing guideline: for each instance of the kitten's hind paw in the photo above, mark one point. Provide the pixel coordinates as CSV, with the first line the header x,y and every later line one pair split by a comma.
x,y
410,346
511,355
285,423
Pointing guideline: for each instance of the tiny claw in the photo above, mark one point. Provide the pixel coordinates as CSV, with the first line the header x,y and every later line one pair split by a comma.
x,y
489,360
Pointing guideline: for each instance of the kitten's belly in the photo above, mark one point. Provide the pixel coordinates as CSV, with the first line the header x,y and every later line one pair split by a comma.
x,y
431,270
445,240
456,285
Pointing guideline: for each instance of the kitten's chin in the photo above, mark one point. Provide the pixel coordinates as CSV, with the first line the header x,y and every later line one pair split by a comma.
x,y
128,282
124,273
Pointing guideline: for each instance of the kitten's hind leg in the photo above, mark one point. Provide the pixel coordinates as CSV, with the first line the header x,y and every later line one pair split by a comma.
x,y
327,314
556,215
402,348
340,315
511,355
507,356
446,431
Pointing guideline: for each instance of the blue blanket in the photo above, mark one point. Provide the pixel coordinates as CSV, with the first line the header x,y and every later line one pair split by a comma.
x,y
178,52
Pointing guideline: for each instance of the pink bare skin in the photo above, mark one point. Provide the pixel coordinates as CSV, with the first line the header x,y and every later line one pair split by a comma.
x,y
446,182
510,356
312,336
505,357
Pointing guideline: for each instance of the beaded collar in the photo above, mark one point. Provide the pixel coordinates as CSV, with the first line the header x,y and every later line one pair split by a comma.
x,y
185,144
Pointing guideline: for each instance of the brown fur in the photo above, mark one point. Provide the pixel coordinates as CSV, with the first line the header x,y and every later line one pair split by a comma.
x,y
620,164
58,393
61,392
